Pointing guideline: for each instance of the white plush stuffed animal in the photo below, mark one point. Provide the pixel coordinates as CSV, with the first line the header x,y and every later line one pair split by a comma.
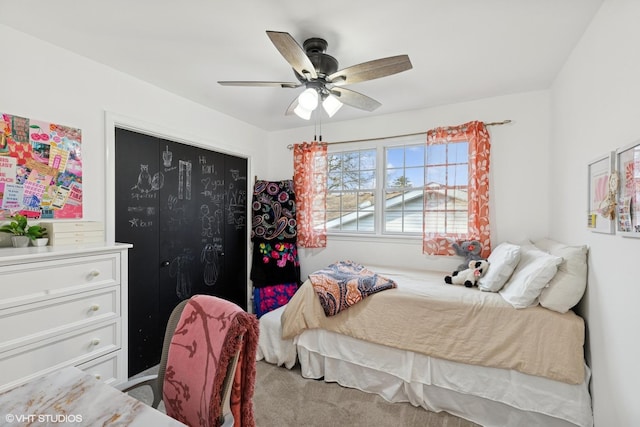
x,y
470,276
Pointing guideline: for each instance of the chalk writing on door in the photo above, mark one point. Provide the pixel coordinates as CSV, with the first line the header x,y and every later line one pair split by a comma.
x,y
237,200
180,269
167,157
147,185
184,180
211,260
141,216
177,214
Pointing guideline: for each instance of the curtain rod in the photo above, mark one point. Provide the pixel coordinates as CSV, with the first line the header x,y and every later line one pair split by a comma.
x,y
504,122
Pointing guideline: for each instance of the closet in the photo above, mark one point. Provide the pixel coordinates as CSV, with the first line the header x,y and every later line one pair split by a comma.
x,y
184,210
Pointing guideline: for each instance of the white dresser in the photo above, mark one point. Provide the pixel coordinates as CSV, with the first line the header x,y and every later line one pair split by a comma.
x,y
63,306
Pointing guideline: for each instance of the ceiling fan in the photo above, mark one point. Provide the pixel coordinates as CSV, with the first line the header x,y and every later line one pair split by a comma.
x,y
323,82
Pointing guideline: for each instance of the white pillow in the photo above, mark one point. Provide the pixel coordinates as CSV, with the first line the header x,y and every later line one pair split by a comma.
x,y
535,269
567,287
502,261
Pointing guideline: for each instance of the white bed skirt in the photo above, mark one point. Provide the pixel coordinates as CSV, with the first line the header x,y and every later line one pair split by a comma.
x,y
487,396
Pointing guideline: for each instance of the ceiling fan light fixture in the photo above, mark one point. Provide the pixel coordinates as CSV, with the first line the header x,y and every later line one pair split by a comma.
x,y
331,105
302,112
308,99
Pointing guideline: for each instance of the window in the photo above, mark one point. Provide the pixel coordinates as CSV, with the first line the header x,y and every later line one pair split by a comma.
x,y
351,191
408,170
446,182
404,180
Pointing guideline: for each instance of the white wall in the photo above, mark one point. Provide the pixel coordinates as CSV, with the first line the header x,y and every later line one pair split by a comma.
x,y
519,179
596,109
41,81
538,164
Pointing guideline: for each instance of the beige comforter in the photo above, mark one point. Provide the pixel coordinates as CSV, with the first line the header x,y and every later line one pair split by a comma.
x,y
452,322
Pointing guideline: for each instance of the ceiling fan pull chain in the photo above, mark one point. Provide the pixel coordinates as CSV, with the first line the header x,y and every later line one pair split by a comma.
x,y
315,129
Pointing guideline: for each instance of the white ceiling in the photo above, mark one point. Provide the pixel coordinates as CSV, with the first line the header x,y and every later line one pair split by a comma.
x,y
460,49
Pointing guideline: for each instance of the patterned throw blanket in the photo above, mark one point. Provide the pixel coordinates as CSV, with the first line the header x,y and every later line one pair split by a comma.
x,y
345,283
210,332
274,211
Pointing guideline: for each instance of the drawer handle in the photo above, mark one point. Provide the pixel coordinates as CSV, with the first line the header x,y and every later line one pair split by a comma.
x,y
94,273
94,307
97,376
95,341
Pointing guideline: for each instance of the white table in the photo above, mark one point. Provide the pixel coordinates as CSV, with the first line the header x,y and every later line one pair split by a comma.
x,y
71,397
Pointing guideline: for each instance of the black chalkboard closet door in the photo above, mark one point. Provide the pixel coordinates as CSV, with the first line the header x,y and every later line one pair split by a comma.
x,y
184,210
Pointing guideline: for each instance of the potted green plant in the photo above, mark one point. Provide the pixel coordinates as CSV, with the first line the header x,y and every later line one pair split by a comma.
x,y
18,229
38,235
21,232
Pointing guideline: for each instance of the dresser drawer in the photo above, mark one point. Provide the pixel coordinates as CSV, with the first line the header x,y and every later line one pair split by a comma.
x,y
21,283
25,323
24,363
104,368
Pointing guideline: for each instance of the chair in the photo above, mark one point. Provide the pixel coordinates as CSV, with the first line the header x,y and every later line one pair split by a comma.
x,y
184,353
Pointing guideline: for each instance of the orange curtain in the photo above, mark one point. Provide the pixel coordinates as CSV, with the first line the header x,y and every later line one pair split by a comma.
x,y
478,191
310,182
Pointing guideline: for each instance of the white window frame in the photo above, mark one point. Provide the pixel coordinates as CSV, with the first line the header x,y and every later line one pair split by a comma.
x,y
379,145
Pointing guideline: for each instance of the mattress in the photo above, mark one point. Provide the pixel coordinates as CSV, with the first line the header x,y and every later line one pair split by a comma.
x,y
449,322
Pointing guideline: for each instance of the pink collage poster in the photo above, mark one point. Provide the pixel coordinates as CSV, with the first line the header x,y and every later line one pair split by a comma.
x,y
40,169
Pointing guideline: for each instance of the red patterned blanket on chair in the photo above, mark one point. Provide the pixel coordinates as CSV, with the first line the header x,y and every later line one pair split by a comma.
x,y
345,283
210,332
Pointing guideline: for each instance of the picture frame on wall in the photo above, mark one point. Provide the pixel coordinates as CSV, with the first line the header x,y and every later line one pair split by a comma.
x,y
628,204
601,217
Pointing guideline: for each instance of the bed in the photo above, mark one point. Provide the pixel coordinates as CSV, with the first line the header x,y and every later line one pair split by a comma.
x,y
443,347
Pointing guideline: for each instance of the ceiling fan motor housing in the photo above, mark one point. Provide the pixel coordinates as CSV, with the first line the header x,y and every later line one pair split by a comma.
x,y
324,64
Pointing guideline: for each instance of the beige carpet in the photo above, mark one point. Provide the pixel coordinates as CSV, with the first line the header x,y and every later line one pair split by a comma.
x,y
283,398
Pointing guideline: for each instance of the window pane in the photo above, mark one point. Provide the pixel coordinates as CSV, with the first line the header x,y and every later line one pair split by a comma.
x,y
394,178
349,202
415,177
366,202
458,175
349,226
395,157
436,154
351,161
367,179
334,161
350,181
393,200
458,152
403,211
333,181
436,175
414,155
368,159
393,221
413,222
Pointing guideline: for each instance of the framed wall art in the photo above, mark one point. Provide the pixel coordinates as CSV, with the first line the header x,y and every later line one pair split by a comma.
x,y
628,208
602,194
40,169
